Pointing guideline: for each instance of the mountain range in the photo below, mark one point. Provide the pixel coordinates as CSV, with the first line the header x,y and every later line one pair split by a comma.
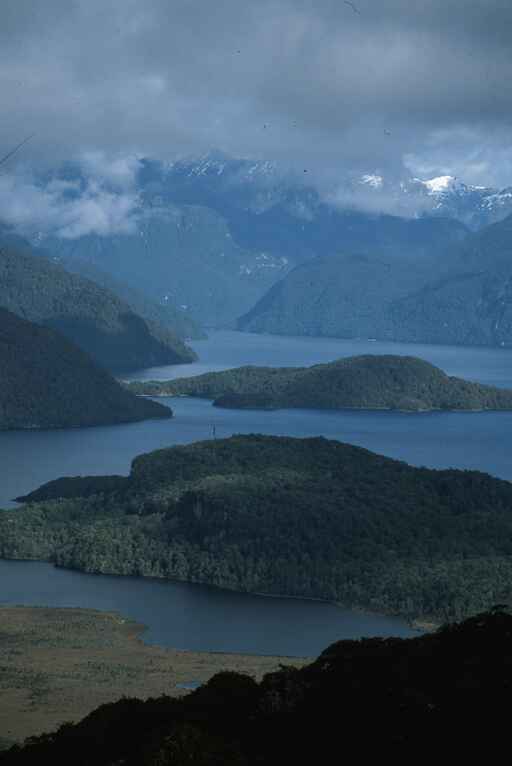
x,y
460,296
213,234
224,242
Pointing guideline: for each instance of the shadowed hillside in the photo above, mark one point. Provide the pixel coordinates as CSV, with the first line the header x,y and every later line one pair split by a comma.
x,y
46,382
444,692
89,315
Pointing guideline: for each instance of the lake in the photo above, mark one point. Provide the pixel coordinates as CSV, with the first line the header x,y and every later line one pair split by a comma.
x,y
438,440
196,617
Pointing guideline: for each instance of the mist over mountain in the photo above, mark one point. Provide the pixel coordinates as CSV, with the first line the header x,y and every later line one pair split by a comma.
x,y
212,235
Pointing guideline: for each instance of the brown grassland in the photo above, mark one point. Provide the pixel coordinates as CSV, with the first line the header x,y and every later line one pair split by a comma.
x,y
57,665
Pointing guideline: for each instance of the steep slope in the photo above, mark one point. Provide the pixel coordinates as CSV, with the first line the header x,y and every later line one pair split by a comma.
x,y
445,692
212,235
367,382
283,216
303,517
462,297
341,296
89,315
185,254
471,305
46,382
164,313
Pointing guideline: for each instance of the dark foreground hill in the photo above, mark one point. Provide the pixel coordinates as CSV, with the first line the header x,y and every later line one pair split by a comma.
x,y
367,382
303,517
447,692
92,317
46,382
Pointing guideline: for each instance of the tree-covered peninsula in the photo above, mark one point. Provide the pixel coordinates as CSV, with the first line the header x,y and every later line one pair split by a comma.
x,y
362,382
303,517
47,382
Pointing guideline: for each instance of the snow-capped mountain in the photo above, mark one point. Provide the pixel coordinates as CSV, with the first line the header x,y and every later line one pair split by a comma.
x,y
446,195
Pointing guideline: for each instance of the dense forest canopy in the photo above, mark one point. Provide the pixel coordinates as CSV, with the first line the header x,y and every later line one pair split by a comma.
x,y
367,382
303,517
47,382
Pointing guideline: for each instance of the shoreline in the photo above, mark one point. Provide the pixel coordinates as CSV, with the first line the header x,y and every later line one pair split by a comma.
x,y
57,664
419,624
419,411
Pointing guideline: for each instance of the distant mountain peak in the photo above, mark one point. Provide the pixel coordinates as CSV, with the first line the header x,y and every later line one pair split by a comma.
x,y
373,179
439,184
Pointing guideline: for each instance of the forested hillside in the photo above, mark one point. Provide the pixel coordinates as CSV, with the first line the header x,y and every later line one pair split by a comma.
x,y
92,317
459,295
163,312
304,517
46,382
366,382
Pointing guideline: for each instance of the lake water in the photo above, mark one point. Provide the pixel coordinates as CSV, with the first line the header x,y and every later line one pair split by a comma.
x,y
194,617
439,440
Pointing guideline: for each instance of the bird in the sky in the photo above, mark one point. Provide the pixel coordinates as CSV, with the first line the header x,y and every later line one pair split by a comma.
x,y
351,5
387,132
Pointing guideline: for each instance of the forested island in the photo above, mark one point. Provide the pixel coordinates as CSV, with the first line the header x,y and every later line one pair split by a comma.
x,y
377,697
302,517
47,382
362,382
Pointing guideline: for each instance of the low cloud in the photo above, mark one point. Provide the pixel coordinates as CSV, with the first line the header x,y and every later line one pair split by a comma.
x,y
310,84
390,201
68,209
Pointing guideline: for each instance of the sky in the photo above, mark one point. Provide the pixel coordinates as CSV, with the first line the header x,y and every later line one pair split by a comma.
x,y
397,87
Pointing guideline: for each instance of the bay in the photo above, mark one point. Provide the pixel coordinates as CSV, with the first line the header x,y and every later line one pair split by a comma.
x,y
197,617
201,618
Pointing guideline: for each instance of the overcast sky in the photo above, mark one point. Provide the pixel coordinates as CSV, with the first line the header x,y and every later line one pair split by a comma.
x,y
391,86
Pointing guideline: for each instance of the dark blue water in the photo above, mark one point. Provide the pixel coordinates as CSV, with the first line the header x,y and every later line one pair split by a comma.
x,y
223,350
465,440
196,617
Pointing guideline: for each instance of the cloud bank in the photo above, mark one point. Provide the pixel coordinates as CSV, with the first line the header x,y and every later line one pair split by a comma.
x,y
401,86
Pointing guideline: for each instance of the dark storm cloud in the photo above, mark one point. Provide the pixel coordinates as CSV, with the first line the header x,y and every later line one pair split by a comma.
x,y
311,83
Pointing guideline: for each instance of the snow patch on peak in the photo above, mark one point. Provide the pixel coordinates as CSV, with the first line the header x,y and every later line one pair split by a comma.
x,y
439,184
373,180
